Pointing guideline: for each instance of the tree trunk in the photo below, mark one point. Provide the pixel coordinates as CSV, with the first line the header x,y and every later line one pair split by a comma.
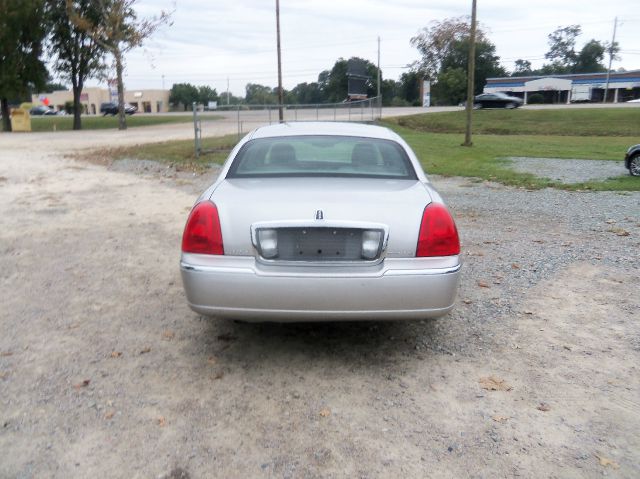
x,y
77,107
122,121
6,121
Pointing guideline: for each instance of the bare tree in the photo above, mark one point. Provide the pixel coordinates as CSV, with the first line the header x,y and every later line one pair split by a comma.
x,y
119,30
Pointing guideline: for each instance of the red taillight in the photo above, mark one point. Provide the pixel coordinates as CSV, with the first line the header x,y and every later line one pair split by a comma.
x,y
202,233
438,233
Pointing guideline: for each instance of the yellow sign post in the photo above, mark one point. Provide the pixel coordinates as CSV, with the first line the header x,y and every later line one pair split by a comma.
x,y
20,120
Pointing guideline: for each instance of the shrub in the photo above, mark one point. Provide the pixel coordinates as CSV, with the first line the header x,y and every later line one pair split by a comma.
x,y
536,98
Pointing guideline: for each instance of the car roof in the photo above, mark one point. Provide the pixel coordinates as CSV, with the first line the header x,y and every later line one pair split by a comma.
x,y
328,128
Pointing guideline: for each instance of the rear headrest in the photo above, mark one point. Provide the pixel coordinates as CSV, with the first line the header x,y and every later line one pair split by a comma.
x,y
282,154
364,154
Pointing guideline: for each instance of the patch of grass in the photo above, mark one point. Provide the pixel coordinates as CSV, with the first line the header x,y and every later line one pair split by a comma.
x,y
62,123
570,122
180,153
441,153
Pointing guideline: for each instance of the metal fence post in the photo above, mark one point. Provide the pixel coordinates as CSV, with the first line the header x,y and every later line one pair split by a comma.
x,y
239,127
317,111
269,110
196,140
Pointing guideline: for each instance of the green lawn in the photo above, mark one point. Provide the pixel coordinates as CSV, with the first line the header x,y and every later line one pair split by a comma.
x,y
58,123
553,134
441,153
180,153
568,122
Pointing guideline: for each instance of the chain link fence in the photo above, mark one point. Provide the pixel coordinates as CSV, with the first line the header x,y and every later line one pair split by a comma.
x,y
241,119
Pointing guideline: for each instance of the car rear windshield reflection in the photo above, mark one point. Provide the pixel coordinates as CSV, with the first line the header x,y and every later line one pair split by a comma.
x,y
310,156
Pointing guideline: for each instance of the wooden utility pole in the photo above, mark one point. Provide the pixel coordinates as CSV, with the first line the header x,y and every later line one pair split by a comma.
x,y
280,92
471,75
379,81
613,42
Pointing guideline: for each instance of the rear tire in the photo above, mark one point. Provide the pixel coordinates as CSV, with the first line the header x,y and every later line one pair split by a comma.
x,y
510,106
634,165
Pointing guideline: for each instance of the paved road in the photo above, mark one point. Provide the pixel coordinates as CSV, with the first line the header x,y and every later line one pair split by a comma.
x,y
61,141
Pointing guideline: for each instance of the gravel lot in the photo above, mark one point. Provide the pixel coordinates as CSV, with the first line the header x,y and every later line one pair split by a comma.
x,y
105,372
567,170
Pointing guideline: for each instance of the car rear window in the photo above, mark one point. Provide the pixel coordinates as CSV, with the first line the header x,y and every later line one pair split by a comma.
x,y
339,156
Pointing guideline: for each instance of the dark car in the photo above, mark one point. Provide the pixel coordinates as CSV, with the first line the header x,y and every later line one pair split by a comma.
x,y
632,160
112,109
42,110
496,100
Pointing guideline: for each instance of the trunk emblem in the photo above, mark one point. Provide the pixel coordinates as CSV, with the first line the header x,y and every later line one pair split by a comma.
x,y
319,215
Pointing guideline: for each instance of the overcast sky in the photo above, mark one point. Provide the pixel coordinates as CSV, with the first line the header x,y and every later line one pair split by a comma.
x,y
211,41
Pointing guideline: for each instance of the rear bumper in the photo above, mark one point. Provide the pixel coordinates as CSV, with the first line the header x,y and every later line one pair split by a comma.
x,y
398,288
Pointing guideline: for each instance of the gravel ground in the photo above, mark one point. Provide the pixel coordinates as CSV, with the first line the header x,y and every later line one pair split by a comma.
x,y
567,170
105,372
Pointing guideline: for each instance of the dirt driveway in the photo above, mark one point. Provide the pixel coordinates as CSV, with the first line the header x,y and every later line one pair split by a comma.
x,y
104,371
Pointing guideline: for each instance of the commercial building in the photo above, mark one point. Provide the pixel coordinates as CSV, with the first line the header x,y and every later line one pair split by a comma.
x,y
578,87
146,101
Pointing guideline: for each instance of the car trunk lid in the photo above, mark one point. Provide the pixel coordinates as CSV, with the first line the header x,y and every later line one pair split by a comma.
x,y
395,206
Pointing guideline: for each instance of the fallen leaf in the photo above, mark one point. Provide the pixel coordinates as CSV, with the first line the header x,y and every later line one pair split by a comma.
x,y
212,359
325,412
467,301
515,266
219,375
528,312
4,354
83,384
568,348
482,284
610,222
604,461
500,418
543,406
539,241
492,383
145,350
168,335
619,231
161,421
109,414
116,354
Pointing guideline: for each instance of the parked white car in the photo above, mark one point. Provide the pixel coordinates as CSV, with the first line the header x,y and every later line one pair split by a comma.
x,y
321,221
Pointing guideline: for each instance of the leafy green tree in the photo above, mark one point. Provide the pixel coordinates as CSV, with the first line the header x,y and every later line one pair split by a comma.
x,y
334,82
77,55
206,94
565,59
444,47
184,94
306,93
52,86
562,44
119,30
523,68
410,87
590,59
22,33
257,94
451,87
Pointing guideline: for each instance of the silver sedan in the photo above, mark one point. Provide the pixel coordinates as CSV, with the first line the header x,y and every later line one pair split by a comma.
x,y
321,221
